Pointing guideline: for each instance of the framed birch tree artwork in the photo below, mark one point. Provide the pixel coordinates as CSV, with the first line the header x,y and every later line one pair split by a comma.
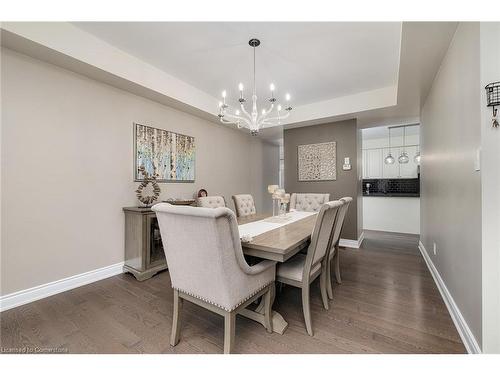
x,y
317,162
171,154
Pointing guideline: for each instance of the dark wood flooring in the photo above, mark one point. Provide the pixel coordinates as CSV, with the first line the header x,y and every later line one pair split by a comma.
x,y
387,303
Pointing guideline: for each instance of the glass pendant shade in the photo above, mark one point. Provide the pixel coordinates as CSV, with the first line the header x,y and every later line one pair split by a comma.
x,y
416,158
403,158
389,159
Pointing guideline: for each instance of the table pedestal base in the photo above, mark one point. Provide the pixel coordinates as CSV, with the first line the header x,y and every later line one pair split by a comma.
x,y
279,323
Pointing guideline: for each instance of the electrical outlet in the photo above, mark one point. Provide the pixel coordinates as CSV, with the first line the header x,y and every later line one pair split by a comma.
x,y
434,248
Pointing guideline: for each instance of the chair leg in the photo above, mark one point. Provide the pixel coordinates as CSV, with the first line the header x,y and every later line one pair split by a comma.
x,y
229,330
307,309
329,289
268,321
322,286
337,265
176,321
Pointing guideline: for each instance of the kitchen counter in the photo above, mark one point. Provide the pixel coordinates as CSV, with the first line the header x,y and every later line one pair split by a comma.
x,y
392,213
410,195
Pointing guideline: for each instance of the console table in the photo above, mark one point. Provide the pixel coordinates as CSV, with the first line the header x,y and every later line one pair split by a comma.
x,y
144,255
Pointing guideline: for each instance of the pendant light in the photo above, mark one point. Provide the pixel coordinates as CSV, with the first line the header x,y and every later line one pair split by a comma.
x,y
416,158
403,158
389,159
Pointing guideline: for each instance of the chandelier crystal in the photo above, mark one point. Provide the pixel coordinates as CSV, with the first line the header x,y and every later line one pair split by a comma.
x,y
255,119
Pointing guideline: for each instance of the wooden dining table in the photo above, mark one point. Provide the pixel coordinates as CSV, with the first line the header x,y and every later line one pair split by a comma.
x,y
278,244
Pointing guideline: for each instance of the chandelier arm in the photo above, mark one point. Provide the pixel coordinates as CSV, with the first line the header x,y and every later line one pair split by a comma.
x,y
266,113
237,118
286,115
238,123
243,110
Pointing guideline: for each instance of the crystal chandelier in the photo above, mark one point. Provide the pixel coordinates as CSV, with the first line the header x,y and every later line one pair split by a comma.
x,y
254,121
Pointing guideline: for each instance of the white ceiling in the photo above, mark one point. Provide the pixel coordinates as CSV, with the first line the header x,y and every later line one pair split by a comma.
x,y
312,61
378,73
423,46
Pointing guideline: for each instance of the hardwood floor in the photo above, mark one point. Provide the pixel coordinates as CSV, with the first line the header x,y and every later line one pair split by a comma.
x,y
387,303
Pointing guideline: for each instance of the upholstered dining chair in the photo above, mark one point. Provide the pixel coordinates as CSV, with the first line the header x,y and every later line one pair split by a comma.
x,y
308,201
207,267
334,253
244,205
211,202
302,269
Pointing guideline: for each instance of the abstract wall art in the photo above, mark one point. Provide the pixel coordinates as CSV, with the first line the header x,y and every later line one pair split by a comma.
x,y
171,154
317,162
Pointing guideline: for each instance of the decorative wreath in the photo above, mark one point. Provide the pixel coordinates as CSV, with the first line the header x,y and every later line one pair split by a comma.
x,y
148,200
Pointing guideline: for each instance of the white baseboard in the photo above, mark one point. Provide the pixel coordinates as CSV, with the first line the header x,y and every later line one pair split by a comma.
x,y
356,244
463,329
22,297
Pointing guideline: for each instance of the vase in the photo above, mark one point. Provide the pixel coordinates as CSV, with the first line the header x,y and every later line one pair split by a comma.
x,y
282,209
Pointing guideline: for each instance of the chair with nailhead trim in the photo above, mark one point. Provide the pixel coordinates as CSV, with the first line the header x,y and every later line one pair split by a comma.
x,y
244,205
211,202
308,201
207,267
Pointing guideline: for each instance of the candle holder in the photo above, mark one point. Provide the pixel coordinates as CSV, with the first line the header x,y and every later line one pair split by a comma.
x,y
272,189
284,200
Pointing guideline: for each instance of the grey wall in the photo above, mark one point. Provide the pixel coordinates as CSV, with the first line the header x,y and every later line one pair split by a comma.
x,y
347,183
450,187
67,169
490,181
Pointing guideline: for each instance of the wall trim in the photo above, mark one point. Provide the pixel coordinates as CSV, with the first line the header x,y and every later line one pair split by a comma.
x,y
355,244
463,329
22,297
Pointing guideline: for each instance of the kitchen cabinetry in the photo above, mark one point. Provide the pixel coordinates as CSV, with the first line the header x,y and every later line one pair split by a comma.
x,y
374,166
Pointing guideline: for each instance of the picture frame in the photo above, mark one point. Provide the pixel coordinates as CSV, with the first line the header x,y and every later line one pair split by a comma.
x,y
317,162
172,154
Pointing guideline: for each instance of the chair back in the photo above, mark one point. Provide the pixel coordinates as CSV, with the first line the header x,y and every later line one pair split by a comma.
x,y
339,223
322,235
203,252
211,202
308,201
244,205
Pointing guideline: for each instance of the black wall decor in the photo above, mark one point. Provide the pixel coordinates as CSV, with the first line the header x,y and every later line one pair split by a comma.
x,y
493,100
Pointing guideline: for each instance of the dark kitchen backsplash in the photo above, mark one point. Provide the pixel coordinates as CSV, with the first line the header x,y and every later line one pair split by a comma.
x,y
392,187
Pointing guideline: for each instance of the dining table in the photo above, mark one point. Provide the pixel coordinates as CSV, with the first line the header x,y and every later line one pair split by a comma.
x,y
276,238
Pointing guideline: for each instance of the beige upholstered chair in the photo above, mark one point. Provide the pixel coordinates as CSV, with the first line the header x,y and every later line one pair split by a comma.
x,y
308,202
211,202
334,249
301,270
244,205
207,266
